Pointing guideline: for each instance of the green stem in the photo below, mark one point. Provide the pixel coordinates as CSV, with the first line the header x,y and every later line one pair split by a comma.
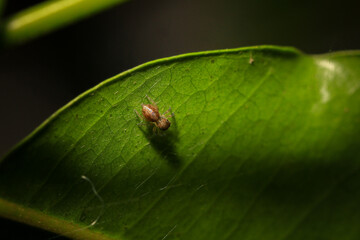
x,y
48,16
2,4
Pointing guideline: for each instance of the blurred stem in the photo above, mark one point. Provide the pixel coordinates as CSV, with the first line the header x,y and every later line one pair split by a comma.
x,y
2,5
48,16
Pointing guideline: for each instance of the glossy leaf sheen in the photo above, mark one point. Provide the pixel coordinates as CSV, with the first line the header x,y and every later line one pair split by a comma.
x,y
264,145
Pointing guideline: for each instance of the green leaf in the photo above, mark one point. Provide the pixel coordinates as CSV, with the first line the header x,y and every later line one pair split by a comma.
x,y
264,144
48,16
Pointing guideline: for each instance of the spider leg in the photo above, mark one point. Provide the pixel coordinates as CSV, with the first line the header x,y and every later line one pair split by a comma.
x,y
156,129
168,116
152,101
141,118
138,114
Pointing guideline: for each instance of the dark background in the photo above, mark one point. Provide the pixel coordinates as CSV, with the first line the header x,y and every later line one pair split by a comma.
x,y
42,75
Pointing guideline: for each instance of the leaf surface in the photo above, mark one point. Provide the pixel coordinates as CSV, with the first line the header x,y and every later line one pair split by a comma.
x,y
264,144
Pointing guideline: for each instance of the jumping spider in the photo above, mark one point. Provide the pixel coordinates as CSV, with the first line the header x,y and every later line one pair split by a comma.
x,y
150,113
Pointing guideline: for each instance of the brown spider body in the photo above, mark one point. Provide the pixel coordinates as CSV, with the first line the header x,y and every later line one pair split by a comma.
x,y
151,113
163,123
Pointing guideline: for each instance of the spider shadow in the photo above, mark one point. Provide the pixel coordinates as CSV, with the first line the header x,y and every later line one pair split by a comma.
x,y
164,142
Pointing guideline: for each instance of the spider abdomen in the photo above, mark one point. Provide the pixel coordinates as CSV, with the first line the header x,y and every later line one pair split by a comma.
x,y
150,112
